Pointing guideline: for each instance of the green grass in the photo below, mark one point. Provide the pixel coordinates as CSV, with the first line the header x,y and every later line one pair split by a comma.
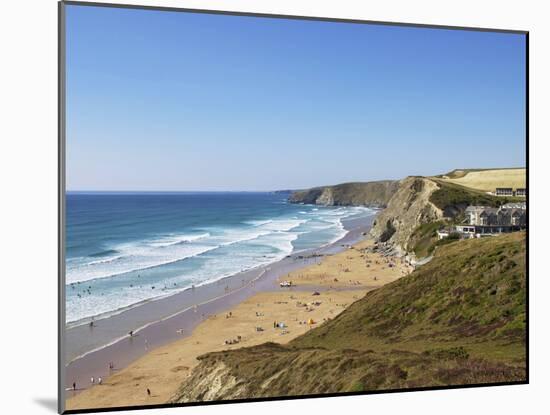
x,y
424,238
468,287
458,319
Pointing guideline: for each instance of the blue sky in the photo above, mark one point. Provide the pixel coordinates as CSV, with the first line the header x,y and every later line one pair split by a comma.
x,y
177,101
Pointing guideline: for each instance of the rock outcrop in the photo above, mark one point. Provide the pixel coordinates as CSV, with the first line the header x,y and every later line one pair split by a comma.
x,y
408,208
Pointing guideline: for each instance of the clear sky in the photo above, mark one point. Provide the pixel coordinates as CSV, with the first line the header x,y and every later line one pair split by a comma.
x,y
176,101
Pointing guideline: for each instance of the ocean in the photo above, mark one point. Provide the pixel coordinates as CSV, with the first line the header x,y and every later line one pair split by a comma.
x,y
126,248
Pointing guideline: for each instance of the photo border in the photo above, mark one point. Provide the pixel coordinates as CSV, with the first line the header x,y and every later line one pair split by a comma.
x,y
62,190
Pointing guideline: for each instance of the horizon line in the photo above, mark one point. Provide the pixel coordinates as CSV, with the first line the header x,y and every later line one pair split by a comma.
x,y
177,191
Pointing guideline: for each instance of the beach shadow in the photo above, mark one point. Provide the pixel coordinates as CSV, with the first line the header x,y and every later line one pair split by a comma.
x,y
48,403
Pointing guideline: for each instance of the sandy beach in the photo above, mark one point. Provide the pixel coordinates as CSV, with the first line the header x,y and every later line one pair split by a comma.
x,y
320,292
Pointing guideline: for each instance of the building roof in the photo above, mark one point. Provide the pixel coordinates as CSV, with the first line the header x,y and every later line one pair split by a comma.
x,y
476,208
517,205
481,209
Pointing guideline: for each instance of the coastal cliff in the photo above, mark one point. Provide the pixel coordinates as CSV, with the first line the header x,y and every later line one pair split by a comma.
x,y
375,194
409,208
437,326
420,206
414,207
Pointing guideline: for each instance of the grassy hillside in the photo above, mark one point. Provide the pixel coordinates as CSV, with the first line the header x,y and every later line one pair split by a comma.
x,y
424,239
459,319
472,290
487,180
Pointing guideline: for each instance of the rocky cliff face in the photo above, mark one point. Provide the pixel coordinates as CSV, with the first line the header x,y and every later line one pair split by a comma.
x,y
348,194
406,202
212,381
408,208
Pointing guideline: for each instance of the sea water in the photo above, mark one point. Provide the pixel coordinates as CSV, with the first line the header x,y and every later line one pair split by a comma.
x,y
126,248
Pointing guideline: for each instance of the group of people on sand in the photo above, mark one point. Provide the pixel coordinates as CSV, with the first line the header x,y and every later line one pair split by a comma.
x,y
111,364
233,341
99,380
92,381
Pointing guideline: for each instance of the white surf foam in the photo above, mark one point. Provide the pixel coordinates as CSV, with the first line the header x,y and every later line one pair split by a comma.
x,y
262,243
177,239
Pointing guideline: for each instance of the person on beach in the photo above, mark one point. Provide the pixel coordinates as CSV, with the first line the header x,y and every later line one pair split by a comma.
x,y
99,381
148,392
74,386
92,380
131,333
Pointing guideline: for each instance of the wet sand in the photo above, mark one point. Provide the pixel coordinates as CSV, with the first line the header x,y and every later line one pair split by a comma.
x,y
339,278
